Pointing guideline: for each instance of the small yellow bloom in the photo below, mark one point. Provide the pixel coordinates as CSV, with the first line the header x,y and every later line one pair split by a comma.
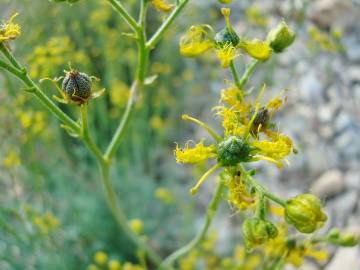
x,y
196,154
226,54
164,195
238,194
92,267
51,220
161,5
257,49
195,41
136,225
277,149
255,17
114,265
11,159
100,258
9,30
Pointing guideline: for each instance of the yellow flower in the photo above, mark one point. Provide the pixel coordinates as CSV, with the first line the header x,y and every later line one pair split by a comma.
x,y
238,194
51,220
164,195
100,258
9,30
188,262
255,17
136,225
11,159
196,154
195,41
161,5
257,49
114,265
92,267
276,150
226,54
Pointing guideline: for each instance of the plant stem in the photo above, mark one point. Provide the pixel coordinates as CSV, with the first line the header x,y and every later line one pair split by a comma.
x,y
166,24
86,136
236,79
249,70
211,210
32,87
120,217
119,8
115,141
235,75
261,189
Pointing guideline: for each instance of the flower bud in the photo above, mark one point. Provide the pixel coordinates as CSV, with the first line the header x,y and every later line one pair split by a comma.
x,y
304,213
77,86
227,35
257,231
280,37
233,150
348,240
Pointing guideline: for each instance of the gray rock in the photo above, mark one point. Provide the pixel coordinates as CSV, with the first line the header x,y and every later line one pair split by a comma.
x,y
352,180
345,259
343,206
354,73
334,12
328,184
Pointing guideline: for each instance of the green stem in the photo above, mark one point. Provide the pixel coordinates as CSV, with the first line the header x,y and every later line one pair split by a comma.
x,y
9,56
261,207
85,136
211,210
119,8
120,217
166,24
115,141
236,79
249,70
262,190
22,75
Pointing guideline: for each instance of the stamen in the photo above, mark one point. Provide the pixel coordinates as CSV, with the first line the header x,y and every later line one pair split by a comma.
x,y
201,180
208,129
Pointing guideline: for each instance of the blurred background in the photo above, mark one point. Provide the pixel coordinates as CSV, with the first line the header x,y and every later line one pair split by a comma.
x,y
52,213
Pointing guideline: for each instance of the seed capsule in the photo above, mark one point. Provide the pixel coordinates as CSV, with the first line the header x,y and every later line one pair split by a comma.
x,y
77,86
280,37
226,36
304,213
233,150
257,231
262,118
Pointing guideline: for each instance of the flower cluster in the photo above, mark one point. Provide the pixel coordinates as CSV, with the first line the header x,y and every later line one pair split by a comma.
x,y
250,134
200,38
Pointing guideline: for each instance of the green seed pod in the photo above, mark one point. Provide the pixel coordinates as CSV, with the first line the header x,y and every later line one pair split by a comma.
x,y
280,37
77,86
226,36
348,240
262,118
233,150
304,213
257,231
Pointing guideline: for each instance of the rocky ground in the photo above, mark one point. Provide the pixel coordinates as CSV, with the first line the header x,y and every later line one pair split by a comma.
x,y
323,117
